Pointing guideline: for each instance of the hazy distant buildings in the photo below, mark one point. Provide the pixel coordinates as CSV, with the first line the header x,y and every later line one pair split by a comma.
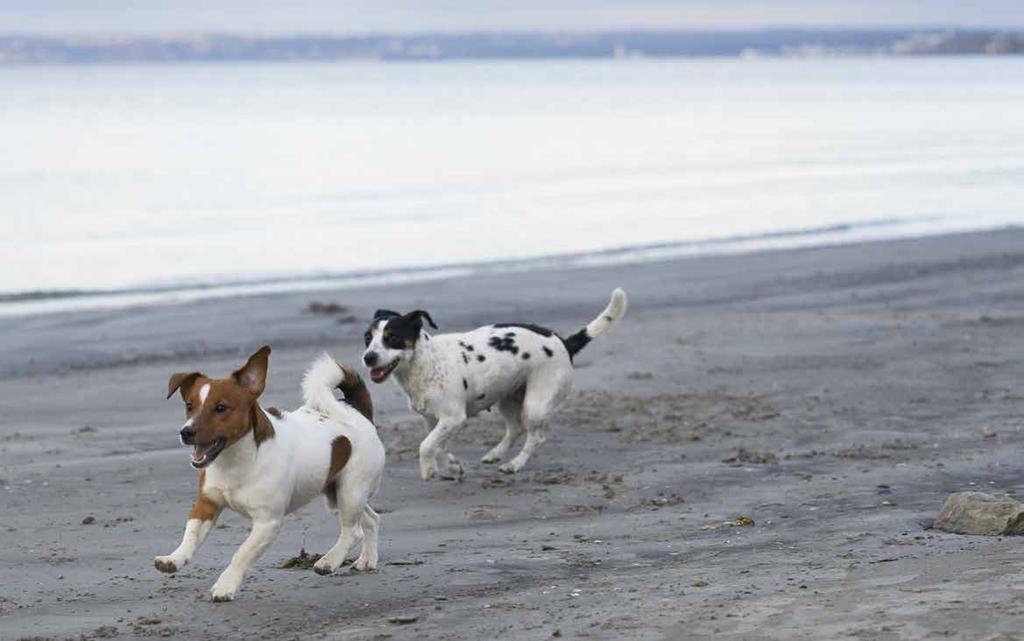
x,y
27,49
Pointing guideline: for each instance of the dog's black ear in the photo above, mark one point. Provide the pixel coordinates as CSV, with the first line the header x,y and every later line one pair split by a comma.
x,y
418,316
183,381
384,313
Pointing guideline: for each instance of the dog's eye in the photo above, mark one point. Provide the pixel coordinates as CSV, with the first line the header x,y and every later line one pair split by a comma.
x,y
220,408
394,341
188,407
368,337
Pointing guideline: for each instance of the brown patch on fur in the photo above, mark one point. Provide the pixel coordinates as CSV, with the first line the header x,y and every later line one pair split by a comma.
x,y
262,428
341,451
273,411
356,394
205,508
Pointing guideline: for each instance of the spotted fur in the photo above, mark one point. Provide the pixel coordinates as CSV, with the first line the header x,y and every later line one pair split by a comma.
x,y
446,386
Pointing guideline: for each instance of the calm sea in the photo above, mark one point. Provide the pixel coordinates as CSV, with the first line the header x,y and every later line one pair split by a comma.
x,y
178,181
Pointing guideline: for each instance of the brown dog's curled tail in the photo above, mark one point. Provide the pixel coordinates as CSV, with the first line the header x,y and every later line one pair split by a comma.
x,y
355,392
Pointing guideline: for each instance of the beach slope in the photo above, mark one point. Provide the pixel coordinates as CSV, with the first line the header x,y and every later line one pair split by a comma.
x,y
755,452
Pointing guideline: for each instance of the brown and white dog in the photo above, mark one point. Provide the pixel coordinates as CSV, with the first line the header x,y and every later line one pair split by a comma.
x,y
266,464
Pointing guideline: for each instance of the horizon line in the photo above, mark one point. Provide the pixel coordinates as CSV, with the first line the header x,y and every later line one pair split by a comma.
x,y
507,32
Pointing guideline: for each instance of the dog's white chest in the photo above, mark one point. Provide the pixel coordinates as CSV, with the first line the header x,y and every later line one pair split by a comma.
x,y
237,502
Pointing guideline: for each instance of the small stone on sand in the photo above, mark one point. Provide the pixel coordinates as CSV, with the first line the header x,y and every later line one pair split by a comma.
x,y
981,514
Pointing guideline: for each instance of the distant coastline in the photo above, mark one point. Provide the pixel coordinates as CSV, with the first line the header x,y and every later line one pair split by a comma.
x,y
17,49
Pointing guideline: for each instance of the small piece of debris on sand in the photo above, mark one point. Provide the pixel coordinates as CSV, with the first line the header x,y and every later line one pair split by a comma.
x,y
662,501
404,562
303,561
330,309
750,456
403,620
640,376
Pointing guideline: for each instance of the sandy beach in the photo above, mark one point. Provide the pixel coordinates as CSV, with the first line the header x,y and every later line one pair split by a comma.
x,y
756,452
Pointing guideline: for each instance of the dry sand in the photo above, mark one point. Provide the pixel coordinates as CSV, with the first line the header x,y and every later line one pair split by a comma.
x,y
831,396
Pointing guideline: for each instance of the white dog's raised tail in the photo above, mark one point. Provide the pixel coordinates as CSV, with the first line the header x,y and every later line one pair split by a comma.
x,y
320,381
615,310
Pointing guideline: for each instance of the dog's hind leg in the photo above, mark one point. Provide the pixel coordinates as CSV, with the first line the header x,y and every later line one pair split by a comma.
x,y
511,408
535,437
331,503
367,560
544,390
351,502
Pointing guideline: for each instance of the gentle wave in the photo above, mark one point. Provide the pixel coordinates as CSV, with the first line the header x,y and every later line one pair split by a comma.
x,y
42,302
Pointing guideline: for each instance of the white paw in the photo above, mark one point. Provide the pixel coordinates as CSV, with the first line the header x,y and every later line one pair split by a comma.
x,y
453,471
168,564
324,566
428,470
492,457
223,591
509,468
365,563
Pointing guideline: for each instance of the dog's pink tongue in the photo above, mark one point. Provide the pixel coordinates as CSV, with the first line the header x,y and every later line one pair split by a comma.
x,y
377,372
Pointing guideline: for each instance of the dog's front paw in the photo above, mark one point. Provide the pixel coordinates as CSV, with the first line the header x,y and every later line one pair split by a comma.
x,y
224,589
490,457
453,471
323,567
428,470
220,594
508,468
365,563
168,564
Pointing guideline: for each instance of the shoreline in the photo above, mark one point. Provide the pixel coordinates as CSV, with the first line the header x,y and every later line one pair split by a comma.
x,y
16,303
56,301
144,333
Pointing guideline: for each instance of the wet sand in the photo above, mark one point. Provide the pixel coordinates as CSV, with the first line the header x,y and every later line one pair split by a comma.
x,y
754,453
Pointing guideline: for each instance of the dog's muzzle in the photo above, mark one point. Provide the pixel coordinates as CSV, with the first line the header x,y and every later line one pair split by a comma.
x,y
204,454
188,435
380,373
370,358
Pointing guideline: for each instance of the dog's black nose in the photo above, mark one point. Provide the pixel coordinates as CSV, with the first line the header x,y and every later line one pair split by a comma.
x,y
370,358
188,435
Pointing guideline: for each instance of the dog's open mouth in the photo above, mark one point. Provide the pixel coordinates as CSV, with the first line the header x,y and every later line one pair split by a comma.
x,y
380,374
203,455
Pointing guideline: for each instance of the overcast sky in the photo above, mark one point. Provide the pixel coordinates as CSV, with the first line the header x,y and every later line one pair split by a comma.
x,y
366,16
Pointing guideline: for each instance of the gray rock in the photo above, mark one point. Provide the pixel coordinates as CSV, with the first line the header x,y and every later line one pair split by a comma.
x,y
981,514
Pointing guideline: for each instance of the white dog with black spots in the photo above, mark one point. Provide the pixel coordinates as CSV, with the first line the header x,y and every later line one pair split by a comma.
x,y
524,369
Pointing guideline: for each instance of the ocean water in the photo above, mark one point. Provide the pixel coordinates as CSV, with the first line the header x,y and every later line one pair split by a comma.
x,y
127,184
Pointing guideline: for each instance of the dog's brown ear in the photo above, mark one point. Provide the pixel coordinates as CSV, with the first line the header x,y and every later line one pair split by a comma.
x,y
253,375
183,381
